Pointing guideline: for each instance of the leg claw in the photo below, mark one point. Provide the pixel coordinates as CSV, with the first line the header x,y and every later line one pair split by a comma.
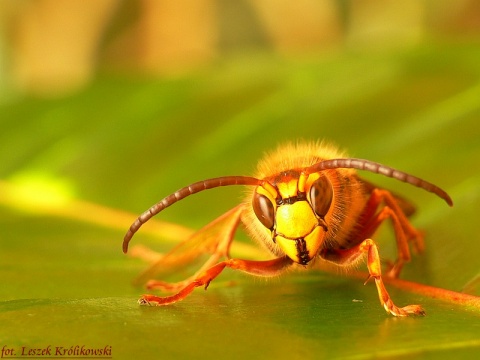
x,y
149,300
404,311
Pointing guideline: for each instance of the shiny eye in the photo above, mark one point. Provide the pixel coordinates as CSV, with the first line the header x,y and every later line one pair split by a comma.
x,y
264,210
321,194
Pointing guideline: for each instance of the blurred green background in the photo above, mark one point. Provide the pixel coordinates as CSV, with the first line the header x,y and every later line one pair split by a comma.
x,y
108,106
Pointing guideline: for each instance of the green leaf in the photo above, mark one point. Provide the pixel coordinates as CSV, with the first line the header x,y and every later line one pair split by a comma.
x,y
70,165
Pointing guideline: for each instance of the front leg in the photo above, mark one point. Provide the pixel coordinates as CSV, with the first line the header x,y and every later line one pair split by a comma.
x,y
346,257
259,268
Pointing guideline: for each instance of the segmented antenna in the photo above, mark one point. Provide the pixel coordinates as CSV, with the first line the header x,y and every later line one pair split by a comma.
x,y
183,193
362,164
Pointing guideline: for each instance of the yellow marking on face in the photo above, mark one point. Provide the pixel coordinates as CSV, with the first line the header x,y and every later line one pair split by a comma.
x,y
314,241
289,247
288,189
302,181
269,190
267,193
296,220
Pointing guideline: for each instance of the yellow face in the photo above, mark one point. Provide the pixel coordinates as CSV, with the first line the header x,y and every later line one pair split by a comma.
x,y
293,207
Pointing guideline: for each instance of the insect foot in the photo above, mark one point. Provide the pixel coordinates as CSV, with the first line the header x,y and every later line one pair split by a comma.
x,y
152,300
374,269
391,308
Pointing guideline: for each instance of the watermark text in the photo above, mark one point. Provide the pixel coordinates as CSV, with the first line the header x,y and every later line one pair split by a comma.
x,y
58,352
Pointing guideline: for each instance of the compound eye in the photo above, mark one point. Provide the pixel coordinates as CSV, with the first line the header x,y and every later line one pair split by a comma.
x,y
321,194
264,210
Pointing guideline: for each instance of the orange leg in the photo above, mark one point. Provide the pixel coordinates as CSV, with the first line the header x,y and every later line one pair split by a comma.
x,y
214,239
177,286
404,231
258,268
350,256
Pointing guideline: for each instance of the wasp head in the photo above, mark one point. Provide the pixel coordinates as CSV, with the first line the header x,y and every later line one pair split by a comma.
x,y
293,206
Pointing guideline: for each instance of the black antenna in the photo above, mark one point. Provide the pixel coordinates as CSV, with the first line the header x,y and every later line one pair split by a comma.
x,y
183,193
367,165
